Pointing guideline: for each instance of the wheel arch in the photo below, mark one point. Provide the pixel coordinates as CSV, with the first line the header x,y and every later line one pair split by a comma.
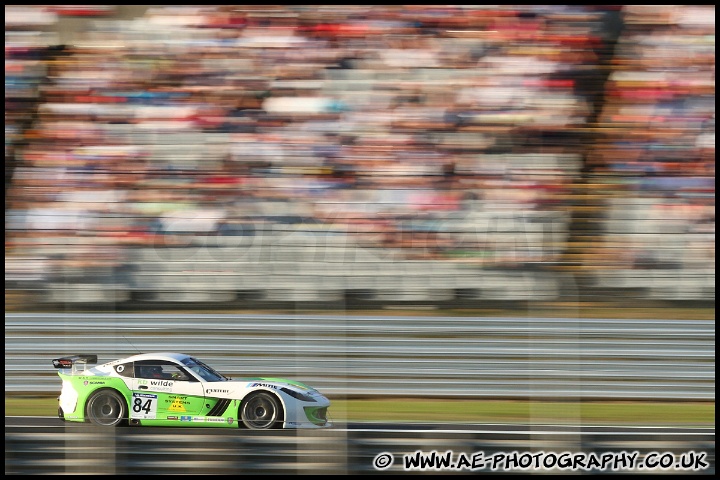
x,y
275,394
90,395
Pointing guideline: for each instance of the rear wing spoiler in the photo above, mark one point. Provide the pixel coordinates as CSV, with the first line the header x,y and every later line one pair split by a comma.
x,y
73,360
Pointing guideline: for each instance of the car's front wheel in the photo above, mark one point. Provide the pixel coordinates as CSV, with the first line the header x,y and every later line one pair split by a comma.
x,y
260,411
106,408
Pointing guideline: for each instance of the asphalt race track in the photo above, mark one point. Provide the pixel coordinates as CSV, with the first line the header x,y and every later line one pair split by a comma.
x,y
46,445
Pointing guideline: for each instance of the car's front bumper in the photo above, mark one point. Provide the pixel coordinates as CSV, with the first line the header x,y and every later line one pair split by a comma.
x,y
317,415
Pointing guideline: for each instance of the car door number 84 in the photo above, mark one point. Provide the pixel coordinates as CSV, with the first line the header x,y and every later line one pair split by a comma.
x,y
144,405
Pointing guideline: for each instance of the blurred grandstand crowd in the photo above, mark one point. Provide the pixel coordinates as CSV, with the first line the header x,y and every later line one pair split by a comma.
x,y
384,153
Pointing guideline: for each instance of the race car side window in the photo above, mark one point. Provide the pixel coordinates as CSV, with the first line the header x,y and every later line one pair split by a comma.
x,y
125,369
173,372
160,370
203,370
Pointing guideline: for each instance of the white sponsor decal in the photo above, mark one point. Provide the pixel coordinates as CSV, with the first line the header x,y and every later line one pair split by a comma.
x,y
144,406
157,385
217,390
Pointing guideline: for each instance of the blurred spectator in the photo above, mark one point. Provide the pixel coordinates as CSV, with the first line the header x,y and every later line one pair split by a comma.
x,y
406,128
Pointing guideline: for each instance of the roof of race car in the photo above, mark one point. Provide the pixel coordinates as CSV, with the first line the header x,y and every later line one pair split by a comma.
x,y
171,356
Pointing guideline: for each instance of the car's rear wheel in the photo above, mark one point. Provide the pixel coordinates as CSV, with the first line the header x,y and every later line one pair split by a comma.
x,y
261,411
106,408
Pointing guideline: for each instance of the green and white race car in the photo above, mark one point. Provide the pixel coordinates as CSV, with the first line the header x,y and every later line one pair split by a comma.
x,y
175,389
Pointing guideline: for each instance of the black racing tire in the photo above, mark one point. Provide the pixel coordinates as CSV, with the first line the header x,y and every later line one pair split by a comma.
x,y
261,411
106,408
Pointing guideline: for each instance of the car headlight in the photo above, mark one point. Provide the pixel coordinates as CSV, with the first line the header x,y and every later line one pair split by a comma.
x,y
298,395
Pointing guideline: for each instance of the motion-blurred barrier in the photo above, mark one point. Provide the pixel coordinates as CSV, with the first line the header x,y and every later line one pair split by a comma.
x,y
393,356
35,451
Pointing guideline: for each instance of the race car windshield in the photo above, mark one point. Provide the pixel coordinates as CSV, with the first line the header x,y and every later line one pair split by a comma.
x,y
206,372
